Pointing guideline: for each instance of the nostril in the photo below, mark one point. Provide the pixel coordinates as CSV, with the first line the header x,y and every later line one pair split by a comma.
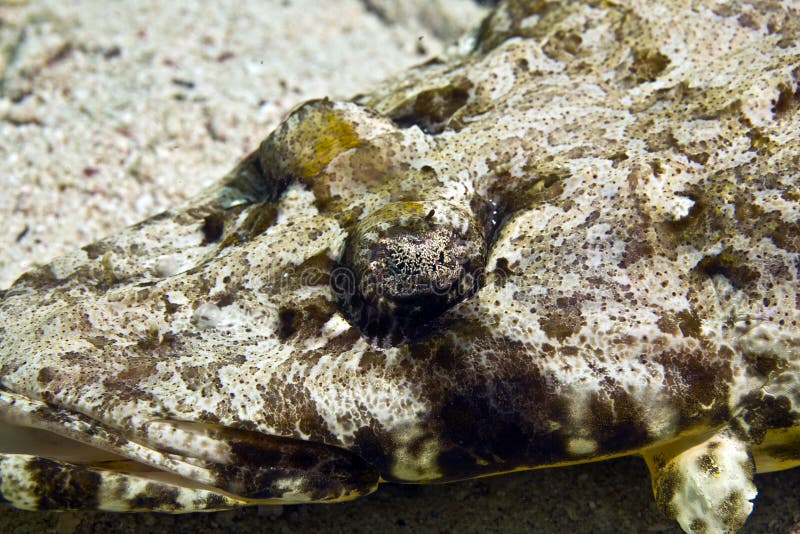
x,y
408,263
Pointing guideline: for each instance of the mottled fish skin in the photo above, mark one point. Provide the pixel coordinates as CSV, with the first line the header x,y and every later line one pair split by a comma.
x,y
635,171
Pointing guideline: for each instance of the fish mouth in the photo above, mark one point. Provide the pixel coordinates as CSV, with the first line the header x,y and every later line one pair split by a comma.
x,y
52,458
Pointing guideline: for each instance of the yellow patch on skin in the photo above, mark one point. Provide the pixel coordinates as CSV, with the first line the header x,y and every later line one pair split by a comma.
x,y
779,450
329,135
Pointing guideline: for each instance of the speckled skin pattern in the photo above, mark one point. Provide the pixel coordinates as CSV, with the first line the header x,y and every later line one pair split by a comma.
x,y
632,172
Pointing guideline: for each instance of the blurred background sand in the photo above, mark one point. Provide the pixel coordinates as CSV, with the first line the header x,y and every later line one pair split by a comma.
x,y
112,111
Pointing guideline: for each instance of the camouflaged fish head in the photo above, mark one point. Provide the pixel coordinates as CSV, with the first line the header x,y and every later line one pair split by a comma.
x,y
576,237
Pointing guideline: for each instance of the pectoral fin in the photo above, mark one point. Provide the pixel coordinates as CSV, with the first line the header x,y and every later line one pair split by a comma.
x,y
58,459
265,468
707,487
38,483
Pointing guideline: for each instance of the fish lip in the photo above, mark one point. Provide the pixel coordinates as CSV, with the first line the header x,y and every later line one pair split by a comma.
x,y
247,465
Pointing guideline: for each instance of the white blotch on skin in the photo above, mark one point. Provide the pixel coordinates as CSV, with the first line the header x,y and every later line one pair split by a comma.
x,y
168,265
581,446
207,315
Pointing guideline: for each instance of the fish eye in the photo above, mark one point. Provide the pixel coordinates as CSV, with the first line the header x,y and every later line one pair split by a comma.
x,y
406,264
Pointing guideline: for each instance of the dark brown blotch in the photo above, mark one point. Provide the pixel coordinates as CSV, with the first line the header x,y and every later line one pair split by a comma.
x,y
306,321
562,45
731,511
502,272
503,24
762,412
169,307
375,446
158,342
490,414
62,486
701,158
498,425
156,496
259,219
760,142
616,422
699,385
95,250
46,375
732,264
213,226
698,526
371,359
647,64
226,299
288,323
564,320
432,108
40,278
137,368
635,250
292,408
665,487
315,271
708,464
689,323
787,237
761,364
788,101
511,195
200,378
345,341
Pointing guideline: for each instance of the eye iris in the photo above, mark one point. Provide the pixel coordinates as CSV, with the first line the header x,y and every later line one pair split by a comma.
x,y
411,265
410,262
